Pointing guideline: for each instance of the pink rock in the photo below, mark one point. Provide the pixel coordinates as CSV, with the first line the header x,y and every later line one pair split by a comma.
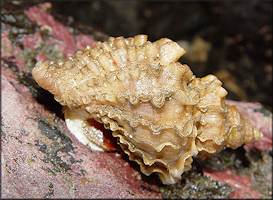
x,y
57,29
8,51
41,57
31,41
241,184
82,41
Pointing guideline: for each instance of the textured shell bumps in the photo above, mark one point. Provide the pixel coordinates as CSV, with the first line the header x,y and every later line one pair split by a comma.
x,y
160,112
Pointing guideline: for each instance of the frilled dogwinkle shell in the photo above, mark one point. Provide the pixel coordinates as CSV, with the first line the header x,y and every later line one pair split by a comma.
x,y
160,112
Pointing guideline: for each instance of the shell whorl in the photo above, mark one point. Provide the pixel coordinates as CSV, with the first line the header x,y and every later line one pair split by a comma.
x,y
119,61
161,113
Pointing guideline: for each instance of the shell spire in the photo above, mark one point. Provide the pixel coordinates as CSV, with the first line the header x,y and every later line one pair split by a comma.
x,y
160,112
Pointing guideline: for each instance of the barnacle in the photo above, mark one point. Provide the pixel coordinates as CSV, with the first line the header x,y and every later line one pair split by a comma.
x,y
160,112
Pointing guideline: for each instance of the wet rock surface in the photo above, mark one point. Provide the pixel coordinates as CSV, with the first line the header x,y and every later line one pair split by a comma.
x,y
195,185
42,159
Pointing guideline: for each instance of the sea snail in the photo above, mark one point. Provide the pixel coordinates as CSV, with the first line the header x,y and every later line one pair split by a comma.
x,y
160,112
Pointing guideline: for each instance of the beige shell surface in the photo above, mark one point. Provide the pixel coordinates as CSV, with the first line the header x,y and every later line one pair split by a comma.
x,y
161,113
